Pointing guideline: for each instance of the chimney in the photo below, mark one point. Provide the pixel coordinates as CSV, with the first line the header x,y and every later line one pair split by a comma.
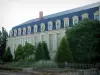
x,y
40,15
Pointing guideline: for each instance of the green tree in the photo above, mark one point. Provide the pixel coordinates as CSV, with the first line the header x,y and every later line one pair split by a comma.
x,y
24,51
63,53
28,49
7,57
45,48
19,52
3,40
84,40
40,54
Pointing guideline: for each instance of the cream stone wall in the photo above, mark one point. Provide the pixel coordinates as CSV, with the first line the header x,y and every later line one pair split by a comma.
x,y
14,41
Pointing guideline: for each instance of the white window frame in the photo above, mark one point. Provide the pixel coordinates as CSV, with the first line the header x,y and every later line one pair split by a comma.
x,y
19,31
75,18
24,31
50,23
42,27
66,22
95,14
15,32
85,16
35,28
28,29
58,24
11,33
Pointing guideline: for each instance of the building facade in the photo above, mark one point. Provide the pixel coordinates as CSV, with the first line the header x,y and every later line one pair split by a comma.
x,y
50,28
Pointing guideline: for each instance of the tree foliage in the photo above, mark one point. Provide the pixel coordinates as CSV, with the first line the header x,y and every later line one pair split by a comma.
x,y
45,48
84,40
3,39
63,53
24,51
40,54
7,57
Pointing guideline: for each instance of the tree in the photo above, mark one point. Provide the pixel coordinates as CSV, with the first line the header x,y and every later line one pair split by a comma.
x,y
63,53
45,48
40,54
84,41
3,40
7,57
19,53
24,51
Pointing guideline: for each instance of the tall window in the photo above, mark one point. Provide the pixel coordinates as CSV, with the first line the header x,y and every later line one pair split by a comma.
x,y
19,31
42,27
58,24
75,20
35,40
51,41
58,39
42,37
50,25
96,15
85,15
66,22
29,29
35,28
24,31
15,32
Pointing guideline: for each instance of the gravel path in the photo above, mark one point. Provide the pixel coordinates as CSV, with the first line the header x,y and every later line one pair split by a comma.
x,y
2,72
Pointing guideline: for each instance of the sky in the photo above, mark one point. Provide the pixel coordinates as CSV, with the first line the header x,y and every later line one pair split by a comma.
x,y
15,12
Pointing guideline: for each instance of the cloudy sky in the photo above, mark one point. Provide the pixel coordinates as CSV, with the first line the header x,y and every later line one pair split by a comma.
x,y
15,12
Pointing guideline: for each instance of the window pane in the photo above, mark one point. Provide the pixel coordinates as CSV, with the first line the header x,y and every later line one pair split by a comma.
x,y
50,41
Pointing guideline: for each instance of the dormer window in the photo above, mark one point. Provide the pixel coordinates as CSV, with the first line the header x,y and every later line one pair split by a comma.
x,y
11,33
58,24
15,32
96,15
28,29
75,19
35,28
42,27
19,31
24,31
50,25
66,22
85,16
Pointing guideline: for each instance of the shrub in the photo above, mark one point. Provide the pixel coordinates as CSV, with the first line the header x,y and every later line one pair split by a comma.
x,y
25,51
40,54
45,64
63,53
19,52
7,57
45,48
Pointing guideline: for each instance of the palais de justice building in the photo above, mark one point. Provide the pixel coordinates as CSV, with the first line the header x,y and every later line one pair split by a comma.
x,y
50,28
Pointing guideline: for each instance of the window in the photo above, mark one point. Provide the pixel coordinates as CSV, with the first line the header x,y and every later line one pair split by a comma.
x,y
19,31
15,32
96,15
42,27
29,29
75,20
51,41
85,15
58,24
50,25
58,39
66,22
11,33
42,37
35,40
24,31
35,28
